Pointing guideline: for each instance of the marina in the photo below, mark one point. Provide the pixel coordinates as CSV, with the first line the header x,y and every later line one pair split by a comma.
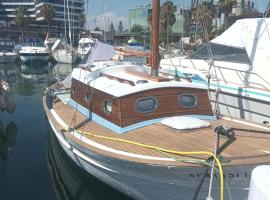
x,y
172,107
29,148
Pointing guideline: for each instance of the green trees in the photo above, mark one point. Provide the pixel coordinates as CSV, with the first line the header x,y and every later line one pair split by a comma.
x,y
21,18
225,6
120,27
203,16
167,19
48,12
136,28
112,30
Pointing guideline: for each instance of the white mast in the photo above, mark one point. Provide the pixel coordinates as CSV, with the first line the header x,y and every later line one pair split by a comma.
x,y
69,25
65,19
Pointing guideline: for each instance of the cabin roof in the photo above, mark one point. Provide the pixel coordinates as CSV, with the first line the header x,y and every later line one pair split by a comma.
x,y
117,82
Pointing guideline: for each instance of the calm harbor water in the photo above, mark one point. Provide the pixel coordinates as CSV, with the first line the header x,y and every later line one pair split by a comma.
x,y
32,164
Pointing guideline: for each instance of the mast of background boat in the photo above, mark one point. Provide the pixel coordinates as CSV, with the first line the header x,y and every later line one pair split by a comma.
x,y
65,19
69,26
155,37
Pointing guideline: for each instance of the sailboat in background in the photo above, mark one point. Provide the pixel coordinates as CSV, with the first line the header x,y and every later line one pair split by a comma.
x,y
237,72
62,51
152,135
85,44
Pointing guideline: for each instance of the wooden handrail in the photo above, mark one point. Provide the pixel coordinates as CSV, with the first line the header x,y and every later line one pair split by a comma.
x,y
121,80
147,76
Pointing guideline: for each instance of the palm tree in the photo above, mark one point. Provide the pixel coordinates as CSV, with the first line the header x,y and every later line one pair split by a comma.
x,y
120,27
225,6
203,16
47,12
21,18
167,18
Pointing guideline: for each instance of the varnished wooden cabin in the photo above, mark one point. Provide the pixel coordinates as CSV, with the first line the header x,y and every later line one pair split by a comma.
x,y
134,97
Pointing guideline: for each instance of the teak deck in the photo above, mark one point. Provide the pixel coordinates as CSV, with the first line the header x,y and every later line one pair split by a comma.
x,y
248,148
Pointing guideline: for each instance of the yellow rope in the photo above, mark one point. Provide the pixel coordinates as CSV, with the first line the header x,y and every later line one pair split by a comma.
x,y
167,151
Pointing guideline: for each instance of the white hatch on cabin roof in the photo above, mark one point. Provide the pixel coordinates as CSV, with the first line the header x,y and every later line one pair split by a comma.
x,y
184,123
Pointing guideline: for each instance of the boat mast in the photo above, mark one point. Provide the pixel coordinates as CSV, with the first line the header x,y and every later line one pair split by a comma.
x,y
69,26
155,37
65,23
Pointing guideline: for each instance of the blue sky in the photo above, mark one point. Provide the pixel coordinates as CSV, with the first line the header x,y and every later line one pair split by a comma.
x,y
103,12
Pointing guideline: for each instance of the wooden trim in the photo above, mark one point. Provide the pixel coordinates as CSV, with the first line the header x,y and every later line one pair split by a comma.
x,y
121,80
148,76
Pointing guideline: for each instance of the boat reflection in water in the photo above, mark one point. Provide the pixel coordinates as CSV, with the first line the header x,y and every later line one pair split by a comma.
x,y
70,181
8,136
6,99
34,73
61,70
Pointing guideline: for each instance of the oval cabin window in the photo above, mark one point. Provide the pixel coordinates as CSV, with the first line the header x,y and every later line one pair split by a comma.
x,y
108,106
187,100
148,104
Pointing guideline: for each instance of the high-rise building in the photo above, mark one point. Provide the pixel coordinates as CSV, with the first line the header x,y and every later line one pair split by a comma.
x,y
139,16
76,8
33,7
8,7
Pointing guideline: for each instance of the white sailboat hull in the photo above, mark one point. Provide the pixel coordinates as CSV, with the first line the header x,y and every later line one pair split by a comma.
x,y
34,54
8,57
63,56
241,93
36,58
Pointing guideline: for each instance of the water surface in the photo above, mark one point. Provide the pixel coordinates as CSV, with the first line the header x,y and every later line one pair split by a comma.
x,y
32,164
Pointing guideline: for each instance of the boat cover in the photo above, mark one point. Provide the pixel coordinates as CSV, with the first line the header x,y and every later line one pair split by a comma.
x,y
260,183
100,51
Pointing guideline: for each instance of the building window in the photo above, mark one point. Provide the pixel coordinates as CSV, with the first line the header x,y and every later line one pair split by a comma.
x,y
147,104
187,100
107,106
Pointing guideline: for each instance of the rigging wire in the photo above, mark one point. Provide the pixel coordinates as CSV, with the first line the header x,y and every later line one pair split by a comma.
x,y
211,65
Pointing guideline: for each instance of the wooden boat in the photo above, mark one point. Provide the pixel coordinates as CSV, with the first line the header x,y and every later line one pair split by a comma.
x,y
153,135
71,182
